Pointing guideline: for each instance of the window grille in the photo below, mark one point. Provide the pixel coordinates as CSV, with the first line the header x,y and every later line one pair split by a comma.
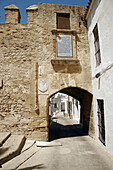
x,y
101,124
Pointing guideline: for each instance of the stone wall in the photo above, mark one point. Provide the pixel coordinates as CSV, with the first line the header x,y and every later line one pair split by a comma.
x,y
32,72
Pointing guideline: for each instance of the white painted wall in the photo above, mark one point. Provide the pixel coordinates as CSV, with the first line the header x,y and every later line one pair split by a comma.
x,y
76,109
102,14
60,98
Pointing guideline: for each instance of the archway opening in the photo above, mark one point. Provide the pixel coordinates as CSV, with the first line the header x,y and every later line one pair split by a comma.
x,y
70,112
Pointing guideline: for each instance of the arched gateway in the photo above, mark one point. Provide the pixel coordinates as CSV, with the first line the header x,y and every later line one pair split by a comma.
x,y
48,54
85,99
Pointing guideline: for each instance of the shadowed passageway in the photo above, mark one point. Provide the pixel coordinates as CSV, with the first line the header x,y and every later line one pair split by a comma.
x,y
61,127
58,130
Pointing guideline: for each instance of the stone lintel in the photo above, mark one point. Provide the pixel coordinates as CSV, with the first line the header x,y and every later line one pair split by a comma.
x,y
64,61
65,31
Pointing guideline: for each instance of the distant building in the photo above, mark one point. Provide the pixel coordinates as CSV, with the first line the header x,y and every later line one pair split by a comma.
x,y
64,105
58,104
100,33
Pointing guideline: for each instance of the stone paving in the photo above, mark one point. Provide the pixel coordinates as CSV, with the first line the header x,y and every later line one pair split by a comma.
x,y
76,153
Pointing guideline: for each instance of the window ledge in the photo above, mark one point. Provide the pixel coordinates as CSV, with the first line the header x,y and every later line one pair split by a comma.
x,y
67,31
64,61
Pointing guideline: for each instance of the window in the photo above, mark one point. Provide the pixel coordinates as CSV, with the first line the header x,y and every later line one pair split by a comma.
x,y
63,21
55,105
69,108
97,46
62,107
101,125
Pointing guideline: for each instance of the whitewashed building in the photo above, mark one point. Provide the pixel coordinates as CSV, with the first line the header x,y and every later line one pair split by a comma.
x,y
99,18
64,105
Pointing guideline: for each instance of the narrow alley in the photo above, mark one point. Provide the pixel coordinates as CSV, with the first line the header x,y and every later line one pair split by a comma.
x,y
77,151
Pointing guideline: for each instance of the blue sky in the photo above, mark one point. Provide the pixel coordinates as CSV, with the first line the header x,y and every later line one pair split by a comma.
x,y
23,4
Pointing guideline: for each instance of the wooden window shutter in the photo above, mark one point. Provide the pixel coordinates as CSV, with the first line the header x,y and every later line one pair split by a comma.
x,y
63,21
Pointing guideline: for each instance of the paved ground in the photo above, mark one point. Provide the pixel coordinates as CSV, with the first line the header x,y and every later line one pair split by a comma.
x,y
76,153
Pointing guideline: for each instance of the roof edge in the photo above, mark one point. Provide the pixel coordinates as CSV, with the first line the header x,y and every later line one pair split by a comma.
x,y
87,9
32,7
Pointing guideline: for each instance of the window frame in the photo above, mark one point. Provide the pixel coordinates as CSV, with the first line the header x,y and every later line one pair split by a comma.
x,y
65,18
101,120
58,45
97,46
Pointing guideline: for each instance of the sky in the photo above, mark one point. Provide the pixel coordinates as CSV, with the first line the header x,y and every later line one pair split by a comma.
x,y
23,4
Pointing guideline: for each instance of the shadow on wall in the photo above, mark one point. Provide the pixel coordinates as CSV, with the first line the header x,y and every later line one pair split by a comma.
x,y
65,67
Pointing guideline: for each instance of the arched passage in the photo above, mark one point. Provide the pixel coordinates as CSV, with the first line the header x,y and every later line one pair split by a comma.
x,y
85,99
